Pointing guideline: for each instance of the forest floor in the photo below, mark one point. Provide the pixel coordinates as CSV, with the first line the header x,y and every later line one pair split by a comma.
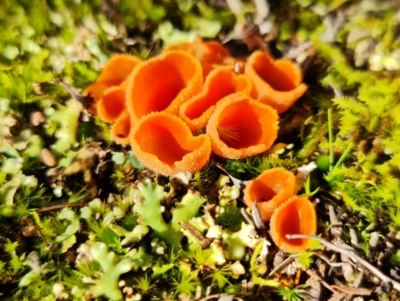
x,y
83,218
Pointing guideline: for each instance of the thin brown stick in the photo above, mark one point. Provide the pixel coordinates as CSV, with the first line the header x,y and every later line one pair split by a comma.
x,y
60,206
283,265
313,274
330,263
204,242
220,296
351,254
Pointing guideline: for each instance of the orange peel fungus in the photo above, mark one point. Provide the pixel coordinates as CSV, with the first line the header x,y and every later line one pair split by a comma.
x,y
242,127
112,104
165,144
277,83
121,128
211,54
296,216
220,83
269,190
114,73
163,83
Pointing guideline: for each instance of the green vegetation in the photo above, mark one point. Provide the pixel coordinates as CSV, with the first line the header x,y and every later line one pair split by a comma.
x,y
82,219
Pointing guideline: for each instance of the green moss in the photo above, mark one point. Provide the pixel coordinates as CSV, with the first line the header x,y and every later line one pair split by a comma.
x,y
229,217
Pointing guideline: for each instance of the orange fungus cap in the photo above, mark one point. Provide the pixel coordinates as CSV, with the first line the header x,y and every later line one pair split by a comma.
x,y
120,130
219,83
242,127
296,216
118,68
276,83
163,83
112,104
269,190
164,143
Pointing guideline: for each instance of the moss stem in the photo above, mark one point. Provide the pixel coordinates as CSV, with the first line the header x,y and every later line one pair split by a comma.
x,y
345,154
330,134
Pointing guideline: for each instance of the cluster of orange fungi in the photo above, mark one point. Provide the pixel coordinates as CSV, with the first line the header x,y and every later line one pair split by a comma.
x,y
274,191
159,107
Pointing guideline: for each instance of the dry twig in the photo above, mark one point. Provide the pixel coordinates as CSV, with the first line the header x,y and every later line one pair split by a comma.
x,y
283,265
60,206
348,251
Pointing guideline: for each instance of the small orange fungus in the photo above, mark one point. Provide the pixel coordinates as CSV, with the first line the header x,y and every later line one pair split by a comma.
x,y
114,73
296,216
117,69
121,129
269,190
242,127
211,54
165,144
219,83
276,83
112,104
95,90
206,52
163,83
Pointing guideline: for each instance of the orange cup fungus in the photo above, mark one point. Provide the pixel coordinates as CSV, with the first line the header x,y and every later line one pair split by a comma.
x,y
195,81
219,83
114,73
276,83
121,129
165,144
96,91
211,54
156,105
296,216
242,127
269,190
163,83
112,104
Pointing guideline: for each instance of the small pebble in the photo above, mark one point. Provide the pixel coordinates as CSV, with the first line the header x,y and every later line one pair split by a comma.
x,y
47,157
37,118
29,231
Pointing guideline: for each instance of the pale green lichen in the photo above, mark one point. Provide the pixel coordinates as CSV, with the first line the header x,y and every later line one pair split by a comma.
x,y
112,268
68,238
235,244
130,237
150,209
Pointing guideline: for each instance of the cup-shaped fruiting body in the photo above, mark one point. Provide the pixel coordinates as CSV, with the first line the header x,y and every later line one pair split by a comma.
x,y
269,190
220,83
121,129
95,91
211,54
118,68
112,104
296,216
114,73
163,83
164,143
277,83
242,127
